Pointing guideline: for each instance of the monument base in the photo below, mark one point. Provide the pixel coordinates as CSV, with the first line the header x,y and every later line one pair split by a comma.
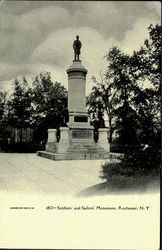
x,y
77,139
77,156
76,144
66,156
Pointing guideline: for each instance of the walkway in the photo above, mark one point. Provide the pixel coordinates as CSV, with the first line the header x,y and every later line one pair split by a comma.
x,y
30,174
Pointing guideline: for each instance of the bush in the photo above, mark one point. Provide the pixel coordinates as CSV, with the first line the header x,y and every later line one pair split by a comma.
x,y
134,162
142,159
115,170
116,147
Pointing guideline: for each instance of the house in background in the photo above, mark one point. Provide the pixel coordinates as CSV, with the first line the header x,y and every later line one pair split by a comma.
x,y
12,136
27,135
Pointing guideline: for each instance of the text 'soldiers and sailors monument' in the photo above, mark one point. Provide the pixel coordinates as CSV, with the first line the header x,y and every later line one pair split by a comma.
x,y
77,139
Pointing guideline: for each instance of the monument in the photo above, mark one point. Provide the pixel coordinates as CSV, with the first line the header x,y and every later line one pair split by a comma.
x,y
77,139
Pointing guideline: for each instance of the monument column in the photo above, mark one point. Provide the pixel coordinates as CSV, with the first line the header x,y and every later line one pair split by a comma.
x,y
79,123
76,94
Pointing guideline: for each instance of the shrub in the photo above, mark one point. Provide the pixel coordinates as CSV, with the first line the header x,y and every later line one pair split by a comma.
x,y
135,161
142,159
115,146
114,170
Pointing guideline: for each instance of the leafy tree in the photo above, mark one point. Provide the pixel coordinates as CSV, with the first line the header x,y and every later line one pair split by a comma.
x,y
2,103
146,63
134,107
146,66
126,125
115,89
3,113
101,101
40,106
49,104
95,107
124,87
20,105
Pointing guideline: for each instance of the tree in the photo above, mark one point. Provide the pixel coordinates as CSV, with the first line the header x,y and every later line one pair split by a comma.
x,y
20,105
126,125
136,108
146,66
49,104
146,63
3,113
102,101
95,106
124,87
115,88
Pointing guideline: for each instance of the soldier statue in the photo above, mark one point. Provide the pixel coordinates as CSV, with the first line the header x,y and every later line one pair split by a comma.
x,y
77,46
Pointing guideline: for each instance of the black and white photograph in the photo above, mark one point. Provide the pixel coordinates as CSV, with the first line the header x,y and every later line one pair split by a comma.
x,y
80,125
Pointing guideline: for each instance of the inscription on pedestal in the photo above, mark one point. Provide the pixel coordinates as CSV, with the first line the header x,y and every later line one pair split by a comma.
x,y
81,134
80,119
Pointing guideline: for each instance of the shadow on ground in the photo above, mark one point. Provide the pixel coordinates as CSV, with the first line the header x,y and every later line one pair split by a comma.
x,y
124,185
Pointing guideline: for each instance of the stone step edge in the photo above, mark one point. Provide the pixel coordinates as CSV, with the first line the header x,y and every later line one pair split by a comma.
x,y
67,153
98,155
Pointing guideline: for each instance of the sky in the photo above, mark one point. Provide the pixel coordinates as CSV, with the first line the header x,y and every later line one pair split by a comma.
x,y
37,36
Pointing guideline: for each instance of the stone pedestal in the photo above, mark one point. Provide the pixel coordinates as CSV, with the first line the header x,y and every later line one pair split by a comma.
x,y
64,134
52,135
51,145
64,140
103,138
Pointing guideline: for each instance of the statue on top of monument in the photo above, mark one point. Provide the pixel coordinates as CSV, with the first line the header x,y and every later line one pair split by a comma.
x,y
77,46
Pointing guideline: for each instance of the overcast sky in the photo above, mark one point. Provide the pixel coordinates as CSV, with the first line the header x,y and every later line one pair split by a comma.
x,y
38,35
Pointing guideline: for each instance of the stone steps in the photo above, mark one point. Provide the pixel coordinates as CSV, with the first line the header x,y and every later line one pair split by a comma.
x,y
86,149
74,151
67,156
